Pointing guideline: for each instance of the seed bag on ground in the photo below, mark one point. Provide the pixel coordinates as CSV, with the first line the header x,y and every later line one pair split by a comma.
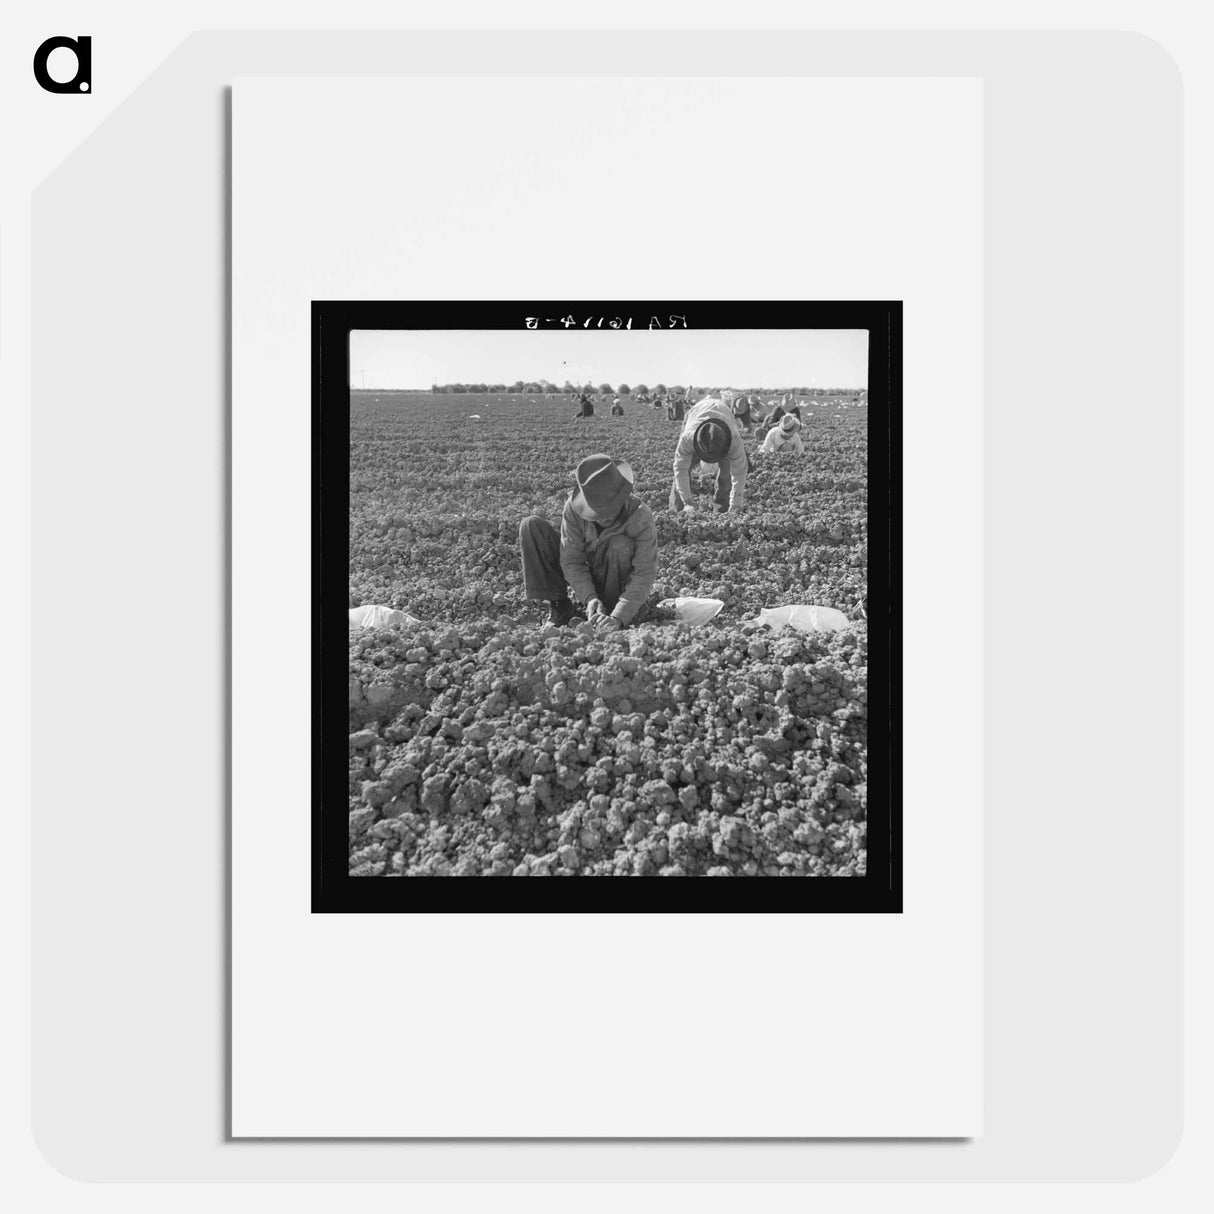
x,y
693,611
804,617
373,616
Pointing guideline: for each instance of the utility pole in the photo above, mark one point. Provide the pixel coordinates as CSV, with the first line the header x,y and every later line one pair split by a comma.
x,y
364,375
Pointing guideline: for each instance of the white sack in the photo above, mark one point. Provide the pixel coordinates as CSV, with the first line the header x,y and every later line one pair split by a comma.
x,y
372,616
693,611
804,617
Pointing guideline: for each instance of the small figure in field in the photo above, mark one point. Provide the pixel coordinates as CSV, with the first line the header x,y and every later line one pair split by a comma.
x,y
711,435
617,410
779,410
742,410
786,437
587,406
676,410
606,550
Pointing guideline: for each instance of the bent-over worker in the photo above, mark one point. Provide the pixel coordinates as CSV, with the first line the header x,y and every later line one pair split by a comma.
x,y
742,410
710,435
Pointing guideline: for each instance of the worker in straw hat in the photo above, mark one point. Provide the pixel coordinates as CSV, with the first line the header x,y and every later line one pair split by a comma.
x,y
784,437
606,551
711,435
779,409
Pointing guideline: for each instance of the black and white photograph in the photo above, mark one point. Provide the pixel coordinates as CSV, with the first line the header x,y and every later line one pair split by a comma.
x,y
611,598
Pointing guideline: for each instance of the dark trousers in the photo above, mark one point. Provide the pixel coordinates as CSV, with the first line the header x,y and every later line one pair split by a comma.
x,y
610,563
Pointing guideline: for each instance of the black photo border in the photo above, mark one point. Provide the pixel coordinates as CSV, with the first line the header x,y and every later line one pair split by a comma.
x,y
334,890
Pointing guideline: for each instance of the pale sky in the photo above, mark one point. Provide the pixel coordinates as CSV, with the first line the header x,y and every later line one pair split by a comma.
x,y
812,358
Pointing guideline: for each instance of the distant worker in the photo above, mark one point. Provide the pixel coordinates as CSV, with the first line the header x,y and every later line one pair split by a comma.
x,y
587,406
606,550
779,410
786,437
676,409
742,407
711,435
617,410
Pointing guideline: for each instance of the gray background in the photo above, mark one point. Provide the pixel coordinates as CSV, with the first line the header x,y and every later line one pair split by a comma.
x,y
1082,618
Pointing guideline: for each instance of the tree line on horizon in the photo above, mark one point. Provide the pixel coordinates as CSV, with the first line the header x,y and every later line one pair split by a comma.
x,y
545,388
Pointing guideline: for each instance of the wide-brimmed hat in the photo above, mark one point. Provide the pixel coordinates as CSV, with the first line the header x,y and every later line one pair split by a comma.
x,y
603,486
789,422
711,441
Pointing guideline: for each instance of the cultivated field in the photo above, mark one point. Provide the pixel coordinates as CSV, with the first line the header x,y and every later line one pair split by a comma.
x,y
485,743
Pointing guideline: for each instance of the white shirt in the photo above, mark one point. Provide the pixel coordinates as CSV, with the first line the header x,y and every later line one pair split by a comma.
x,y
780,439
715,409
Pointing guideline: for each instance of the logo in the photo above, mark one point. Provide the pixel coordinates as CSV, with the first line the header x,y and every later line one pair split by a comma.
x,y
82,81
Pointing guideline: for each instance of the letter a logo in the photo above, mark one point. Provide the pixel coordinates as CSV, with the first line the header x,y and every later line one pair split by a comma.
x,y
82,81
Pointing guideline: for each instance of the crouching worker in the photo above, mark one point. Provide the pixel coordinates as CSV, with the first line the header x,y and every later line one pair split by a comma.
x,y
607,549
786,437
711,435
